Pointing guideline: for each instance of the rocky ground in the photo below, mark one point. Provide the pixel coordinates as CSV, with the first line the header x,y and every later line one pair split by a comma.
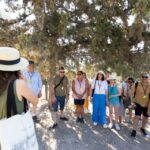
x,y
76,136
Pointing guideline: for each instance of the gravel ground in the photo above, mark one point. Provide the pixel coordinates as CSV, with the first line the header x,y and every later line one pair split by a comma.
x,y
76,136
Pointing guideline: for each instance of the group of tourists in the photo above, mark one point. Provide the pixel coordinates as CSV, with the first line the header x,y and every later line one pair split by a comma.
x,y
103,92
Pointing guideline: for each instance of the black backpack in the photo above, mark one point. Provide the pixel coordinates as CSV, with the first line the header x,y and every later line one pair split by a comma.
x,y
136,85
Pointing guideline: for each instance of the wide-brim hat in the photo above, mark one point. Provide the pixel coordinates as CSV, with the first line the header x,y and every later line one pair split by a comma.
x,y
10,60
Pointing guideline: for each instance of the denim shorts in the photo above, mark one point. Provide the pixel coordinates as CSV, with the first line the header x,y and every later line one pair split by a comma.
x,y
59,102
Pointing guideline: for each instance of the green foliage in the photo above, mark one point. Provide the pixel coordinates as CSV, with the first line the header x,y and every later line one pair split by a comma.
x,y
98,33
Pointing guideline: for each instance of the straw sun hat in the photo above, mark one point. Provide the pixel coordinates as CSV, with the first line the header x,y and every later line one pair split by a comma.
x,y
10,60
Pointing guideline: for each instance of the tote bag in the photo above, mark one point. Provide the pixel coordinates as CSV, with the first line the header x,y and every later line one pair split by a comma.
x,y
18,133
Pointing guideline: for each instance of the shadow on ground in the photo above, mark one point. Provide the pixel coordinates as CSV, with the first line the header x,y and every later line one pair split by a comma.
x,y
76,136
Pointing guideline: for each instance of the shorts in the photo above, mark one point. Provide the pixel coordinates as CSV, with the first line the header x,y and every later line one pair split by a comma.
x,y
139,110
59,101
79,102
114,102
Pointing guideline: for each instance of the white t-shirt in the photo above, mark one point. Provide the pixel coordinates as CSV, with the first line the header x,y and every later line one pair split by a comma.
x,y
100,86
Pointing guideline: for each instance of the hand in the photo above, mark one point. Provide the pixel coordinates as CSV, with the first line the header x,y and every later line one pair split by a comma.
x,y
124,98
39,94
79,96
107,103
67,97
110,96
52,100
133,105
91,99
66,101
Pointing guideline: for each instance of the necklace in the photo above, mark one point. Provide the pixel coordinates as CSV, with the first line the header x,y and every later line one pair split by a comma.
x,y
144,90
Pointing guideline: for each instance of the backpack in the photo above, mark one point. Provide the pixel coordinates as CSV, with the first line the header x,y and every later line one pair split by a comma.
x,y
136,85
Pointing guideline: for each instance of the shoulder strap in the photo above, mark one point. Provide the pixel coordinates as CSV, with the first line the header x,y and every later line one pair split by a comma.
x,y
95,84
94,88
136,85
11,103
59,82
26,107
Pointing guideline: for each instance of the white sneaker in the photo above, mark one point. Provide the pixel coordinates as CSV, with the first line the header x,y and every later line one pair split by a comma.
x,y
104,126
148,136
95,123
117,127
110,125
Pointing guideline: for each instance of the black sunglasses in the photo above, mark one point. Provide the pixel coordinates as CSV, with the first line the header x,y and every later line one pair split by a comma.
x,y
62,71
144,77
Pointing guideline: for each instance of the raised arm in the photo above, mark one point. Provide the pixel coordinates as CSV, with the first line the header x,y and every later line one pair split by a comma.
x,y
24,91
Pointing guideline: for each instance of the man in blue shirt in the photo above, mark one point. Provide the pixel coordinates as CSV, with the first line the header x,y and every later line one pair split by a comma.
x,y
35,84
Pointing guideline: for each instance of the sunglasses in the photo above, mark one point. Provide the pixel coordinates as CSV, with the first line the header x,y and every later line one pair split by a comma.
x,y
144,77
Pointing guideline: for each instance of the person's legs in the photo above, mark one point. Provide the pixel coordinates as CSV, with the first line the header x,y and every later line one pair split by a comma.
x,y
102,110
144,122
61,100
86,104
111,114
81,110
110,117
54,114
121,111
116,118
78,110
76,102
138,112
95,115
136,122
145,117
116,114
130,115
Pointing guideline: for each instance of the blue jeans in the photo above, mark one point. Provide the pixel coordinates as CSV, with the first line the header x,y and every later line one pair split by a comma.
x,y
59,101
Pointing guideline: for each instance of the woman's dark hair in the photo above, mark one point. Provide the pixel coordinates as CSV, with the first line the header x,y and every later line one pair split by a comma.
x,y
61,68
103,78
131,79
5,77
80,72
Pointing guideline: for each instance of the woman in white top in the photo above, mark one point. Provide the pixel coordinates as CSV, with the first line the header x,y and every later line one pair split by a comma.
x,y
100,92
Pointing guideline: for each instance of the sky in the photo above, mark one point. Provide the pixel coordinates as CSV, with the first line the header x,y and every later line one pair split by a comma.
x,y
7,15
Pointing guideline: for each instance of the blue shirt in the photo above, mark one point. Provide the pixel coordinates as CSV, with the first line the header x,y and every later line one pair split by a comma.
x,y
34,81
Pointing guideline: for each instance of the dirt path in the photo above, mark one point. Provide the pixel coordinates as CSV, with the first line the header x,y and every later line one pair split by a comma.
x,y
76,136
